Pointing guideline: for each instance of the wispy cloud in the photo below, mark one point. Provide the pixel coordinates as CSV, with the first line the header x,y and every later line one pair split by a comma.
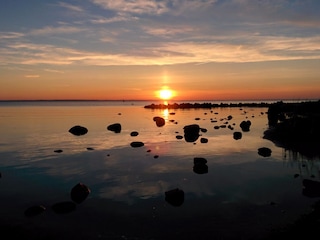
x,y
138,6
10,35
32,76
70,7
56,30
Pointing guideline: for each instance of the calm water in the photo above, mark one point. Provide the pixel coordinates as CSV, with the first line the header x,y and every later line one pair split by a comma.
x,y
243,194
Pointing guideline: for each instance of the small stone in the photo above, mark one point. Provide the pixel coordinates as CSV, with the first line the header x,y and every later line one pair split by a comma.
x,y
34,211
78,130
58,151
136,144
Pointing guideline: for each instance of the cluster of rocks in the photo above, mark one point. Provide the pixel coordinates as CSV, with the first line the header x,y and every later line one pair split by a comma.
x,y
77,194
204,105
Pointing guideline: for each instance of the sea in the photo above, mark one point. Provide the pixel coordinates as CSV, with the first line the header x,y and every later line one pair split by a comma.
x,y
237,194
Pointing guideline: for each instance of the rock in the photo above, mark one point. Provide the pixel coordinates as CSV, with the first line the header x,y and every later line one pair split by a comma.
x,y
191,132
264,151
237,135
200,166
79,193
116,127
90,148
134,134
199,160
245,125
175,197
179,137
34,211
78,130
159,121
136,144
64,207
203,140
58,151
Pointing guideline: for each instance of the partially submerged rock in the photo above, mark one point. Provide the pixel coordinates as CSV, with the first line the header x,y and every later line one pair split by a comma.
x,y
264,151
175,197
136,144
245,125
200,165
159,121
115,127
237,135
34,210
78,130
79,193
191,132
134,134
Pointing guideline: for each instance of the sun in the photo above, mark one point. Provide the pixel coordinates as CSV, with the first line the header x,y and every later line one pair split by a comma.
x,y
165,94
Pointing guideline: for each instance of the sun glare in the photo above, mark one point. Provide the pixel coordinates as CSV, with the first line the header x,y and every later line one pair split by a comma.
x,y
165,94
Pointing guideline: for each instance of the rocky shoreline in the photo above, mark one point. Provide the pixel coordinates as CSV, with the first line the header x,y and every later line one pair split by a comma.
x,y
205,105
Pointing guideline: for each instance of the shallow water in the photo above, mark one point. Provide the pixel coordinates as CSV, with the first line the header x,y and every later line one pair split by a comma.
x,y
243,194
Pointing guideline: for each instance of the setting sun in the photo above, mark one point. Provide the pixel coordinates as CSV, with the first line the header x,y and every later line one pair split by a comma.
x,y
165,93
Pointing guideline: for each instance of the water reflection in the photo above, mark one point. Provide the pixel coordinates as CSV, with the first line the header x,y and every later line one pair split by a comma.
x,y
233,179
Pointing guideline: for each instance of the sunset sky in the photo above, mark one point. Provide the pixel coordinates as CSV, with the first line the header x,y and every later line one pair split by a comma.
x,y
126,50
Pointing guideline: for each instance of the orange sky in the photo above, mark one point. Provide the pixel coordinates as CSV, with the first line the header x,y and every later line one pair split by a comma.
x,y
127,50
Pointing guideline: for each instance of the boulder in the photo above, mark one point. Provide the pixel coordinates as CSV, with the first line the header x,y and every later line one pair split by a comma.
x,y
134,134
116,127
245,125
264,151
159,121
136,144
175,197
200,165
191,132
78,130
237,135
79,193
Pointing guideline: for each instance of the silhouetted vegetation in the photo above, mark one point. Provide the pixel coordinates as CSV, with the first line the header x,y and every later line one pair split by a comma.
x,y
295,126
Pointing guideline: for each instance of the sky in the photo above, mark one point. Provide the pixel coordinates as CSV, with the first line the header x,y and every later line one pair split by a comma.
x,y
131,49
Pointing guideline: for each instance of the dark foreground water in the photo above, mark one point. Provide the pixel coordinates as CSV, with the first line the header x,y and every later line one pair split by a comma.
x,y
242,196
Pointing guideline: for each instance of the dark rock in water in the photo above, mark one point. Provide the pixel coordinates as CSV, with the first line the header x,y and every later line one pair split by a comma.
x,y
134,134
78,130
191,132
64,207
200,166
159,121
311,188
204,130
137,144
58,151
264,151
245,125
237,135
34,211
116,127
216,127
203,140
156,156
199,160
175,197
79,193
179,137
90,148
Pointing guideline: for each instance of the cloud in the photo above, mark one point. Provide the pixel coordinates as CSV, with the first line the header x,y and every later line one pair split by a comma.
x,y
10,35
138,6
56,30
31,76
70,7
